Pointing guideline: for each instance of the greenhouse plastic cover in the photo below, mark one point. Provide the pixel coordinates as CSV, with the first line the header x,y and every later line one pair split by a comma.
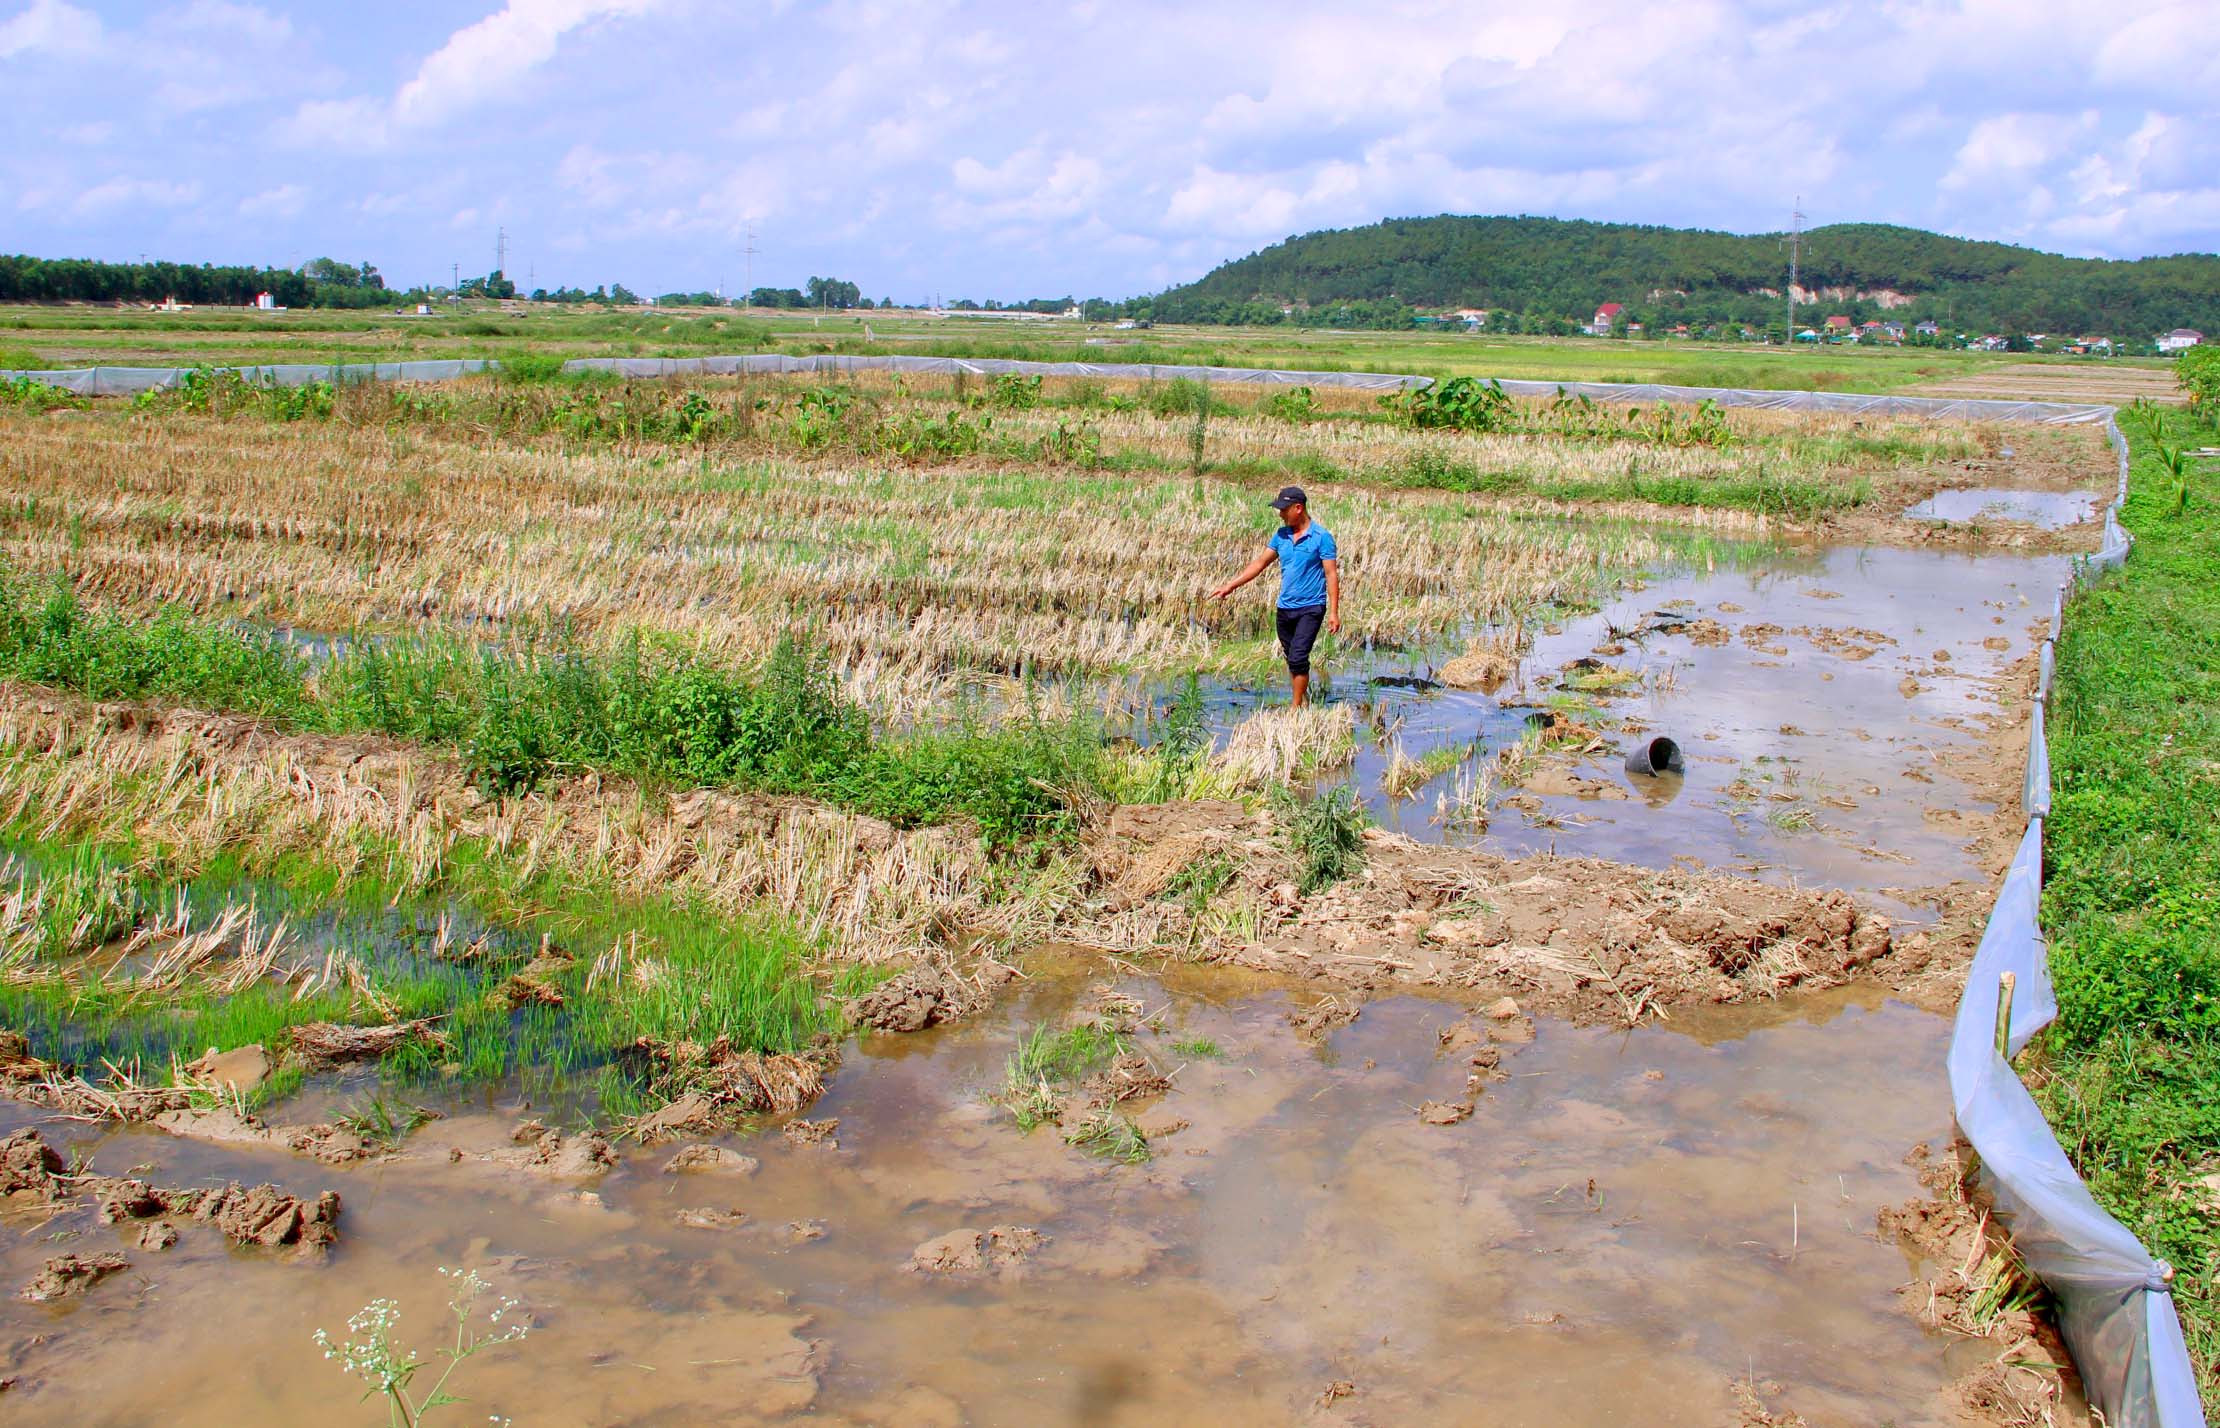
x,y
2114,1305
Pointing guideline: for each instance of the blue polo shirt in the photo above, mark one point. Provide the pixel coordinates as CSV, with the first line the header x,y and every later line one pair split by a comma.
x,y
1302,565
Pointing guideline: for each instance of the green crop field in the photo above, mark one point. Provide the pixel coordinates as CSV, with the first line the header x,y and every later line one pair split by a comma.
x,y
85,336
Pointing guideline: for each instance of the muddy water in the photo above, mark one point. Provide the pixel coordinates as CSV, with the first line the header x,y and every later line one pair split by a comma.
x,y
1628,1222
1816,754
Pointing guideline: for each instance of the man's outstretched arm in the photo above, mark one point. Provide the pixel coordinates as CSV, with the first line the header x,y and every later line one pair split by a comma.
x,y
1249,572
1333,594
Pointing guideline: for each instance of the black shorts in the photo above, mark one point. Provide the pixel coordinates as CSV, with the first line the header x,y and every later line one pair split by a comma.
x,y
1298,632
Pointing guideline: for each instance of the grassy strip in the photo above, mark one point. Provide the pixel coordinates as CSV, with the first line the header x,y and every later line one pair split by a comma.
x,y
1783,472
530,708
2130,1074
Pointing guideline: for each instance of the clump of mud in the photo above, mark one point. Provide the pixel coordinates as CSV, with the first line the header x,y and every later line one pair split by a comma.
x,y
68,1276
263,1215
1000,1250
1571,936
932,993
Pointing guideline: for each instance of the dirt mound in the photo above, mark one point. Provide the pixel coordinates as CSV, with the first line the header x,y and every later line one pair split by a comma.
x,y
222,1125
1129,1077
711,1087
544,1149
28,1166
695,1159
1481,669
1578,937
67,1276
932,993
265,1215
1001,1249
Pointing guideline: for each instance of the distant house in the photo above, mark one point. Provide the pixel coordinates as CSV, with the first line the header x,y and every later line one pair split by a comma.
x,y
1929,328
1838,323
1993,342
264,302
2180,338
1601,325
1471,317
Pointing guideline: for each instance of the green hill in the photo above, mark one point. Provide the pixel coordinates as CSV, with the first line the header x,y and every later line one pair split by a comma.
x,y
1550,268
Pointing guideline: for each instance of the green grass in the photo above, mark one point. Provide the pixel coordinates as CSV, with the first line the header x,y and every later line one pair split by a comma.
x,y
1325,833
1199,1048
1109,1135
1049,1062
2130,1074
65,336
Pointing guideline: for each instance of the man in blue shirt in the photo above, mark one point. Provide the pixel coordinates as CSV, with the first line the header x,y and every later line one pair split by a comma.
x,y
1310,584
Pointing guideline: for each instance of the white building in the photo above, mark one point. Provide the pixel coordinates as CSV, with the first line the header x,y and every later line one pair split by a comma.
x,y
2179,338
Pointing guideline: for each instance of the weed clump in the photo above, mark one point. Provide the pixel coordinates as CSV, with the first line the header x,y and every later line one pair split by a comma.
x,y
1325,833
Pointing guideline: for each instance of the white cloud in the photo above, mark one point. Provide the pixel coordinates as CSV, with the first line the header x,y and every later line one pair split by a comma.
x,y
485,60
2008,146
287,200
52,27
134,194
478,64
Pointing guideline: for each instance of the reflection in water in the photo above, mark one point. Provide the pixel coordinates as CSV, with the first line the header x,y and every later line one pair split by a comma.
x,y
2051,510
1629,1221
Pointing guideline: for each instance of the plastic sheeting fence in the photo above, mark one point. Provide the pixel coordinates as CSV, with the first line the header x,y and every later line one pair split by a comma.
x,y
2115,1308
2114,1305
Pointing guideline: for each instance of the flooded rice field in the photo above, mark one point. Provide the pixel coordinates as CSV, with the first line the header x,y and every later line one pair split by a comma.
x,y
1648,1217
1829,703
1407,1209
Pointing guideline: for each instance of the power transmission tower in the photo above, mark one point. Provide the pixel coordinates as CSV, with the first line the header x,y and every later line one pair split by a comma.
x,y
501,251
1795,253
457,288
749,253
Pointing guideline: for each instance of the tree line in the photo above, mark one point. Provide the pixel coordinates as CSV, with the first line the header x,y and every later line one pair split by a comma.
x,y
1547,269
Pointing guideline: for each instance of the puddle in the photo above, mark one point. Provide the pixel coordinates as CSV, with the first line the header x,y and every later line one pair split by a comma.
x,y
2051,510
1628,1218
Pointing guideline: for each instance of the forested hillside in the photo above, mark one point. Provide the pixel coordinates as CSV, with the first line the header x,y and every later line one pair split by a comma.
x,y
1557,268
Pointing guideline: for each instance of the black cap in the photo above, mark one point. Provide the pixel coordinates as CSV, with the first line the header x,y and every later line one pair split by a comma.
x,y
1289,496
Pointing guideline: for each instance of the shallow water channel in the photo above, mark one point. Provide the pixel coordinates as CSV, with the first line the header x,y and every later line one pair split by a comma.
x,y
1818,731
1628,1223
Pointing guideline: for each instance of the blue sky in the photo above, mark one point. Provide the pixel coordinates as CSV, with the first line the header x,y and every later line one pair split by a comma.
x,y
1014,150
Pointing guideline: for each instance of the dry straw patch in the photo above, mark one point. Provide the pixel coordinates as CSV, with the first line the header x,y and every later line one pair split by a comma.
x,y
902,572
189,788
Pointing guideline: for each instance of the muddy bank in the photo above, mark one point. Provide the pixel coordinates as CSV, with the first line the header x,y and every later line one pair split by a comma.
x,y
1572,936
1585,937
1968,1282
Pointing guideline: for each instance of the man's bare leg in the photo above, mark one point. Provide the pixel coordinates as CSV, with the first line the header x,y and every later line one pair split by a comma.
x,y
1301,683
